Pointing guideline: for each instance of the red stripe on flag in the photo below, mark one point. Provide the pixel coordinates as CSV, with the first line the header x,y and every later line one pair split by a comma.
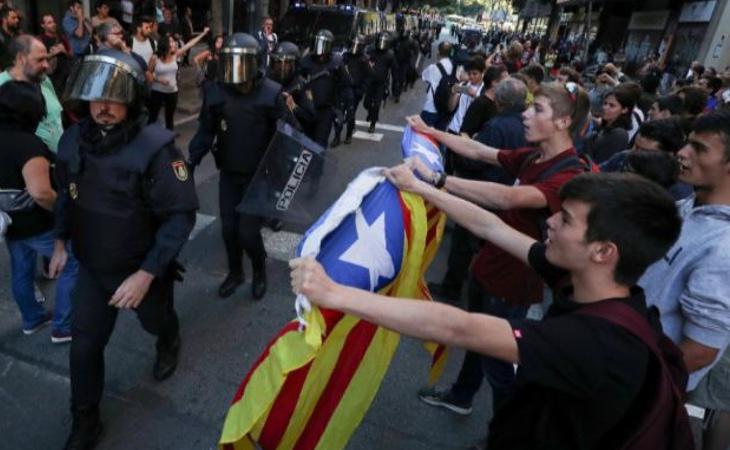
x,y
283,408
431,212
356,344
437,354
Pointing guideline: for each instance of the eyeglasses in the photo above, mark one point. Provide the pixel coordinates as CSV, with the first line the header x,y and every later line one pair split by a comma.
x,y
572,88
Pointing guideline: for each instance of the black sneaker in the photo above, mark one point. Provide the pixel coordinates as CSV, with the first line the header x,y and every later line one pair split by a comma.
x,y
371,130
85,429
229,285
166,361
442,397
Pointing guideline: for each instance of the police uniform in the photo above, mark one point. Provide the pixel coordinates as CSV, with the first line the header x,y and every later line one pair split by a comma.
x,y
360,73
384,65
283,63
127,202
327,79
242,124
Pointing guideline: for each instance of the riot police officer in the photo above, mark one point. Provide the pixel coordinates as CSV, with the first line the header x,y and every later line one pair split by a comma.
x,y
325,72
239,113
384,65
127,202
283,63
356,63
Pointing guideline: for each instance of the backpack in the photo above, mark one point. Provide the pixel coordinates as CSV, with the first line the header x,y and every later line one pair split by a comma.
x,y
442,93
657,419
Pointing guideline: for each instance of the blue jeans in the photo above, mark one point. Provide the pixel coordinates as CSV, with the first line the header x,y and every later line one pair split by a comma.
x,y
23,260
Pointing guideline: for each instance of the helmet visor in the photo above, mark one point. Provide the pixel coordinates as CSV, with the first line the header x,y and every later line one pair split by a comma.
x,y
102,78
357,47
282,68
322,45
238,65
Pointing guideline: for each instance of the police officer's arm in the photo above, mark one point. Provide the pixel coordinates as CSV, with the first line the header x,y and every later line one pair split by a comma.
x,y
202,141
170,191
433,321
468,148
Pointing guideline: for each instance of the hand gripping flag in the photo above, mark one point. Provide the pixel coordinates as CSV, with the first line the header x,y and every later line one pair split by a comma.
x,y
310,389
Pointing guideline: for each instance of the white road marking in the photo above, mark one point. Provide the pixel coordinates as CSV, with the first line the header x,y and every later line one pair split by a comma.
x,y
202,221
381,126
377,137
185,120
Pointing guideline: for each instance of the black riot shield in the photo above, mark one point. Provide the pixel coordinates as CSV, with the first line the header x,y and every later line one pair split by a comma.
x,y
293,182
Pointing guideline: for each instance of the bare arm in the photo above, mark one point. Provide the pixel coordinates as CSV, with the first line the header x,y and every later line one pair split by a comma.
x,y
465,147
496,195
38,182
201,57
482,223
696,355
191,43
432,321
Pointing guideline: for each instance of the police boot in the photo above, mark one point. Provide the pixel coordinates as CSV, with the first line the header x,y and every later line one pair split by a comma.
x,y
335,141
85,429
166,361
371,130
258,283
229,285
348,139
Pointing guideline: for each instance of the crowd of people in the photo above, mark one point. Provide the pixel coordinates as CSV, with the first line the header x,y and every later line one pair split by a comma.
x,y
571,274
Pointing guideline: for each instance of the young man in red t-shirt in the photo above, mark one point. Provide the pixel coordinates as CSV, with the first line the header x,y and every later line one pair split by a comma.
x,y
500,284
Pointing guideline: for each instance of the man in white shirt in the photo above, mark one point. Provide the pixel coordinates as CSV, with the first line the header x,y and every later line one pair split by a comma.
x,y
141,43
432,76
465,93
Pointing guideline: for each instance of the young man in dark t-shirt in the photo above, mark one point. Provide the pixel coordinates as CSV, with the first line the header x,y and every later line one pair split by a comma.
x,y
500,284
578,376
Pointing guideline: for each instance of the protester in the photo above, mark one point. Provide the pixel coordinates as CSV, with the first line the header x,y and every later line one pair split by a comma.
x,y
27,166
164,67
31,65
77,29
9,28
59,52
578,375
432,76
500,284
612,135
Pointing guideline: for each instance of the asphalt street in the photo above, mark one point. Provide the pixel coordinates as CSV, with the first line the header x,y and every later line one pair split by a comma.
x,y
221,339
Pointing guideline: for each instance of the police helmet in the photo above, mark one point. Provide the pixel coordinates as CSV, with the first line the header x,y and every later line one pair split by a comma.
x,y
282,61
323,42
383,42
109,75
240,59
358,44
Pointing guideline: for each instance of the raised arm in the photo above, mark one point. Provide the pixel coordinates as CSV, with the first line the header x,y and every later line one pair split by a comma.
x,y
191,43
468,148
433,321
482,223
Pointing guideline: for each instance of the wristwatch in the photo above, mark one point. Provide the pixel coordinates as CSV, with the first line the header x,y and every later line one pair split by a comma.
x,y
438,180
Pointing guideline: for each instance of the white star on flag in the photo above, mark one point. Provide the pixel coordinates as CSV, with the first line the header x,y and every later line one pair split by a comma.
x,y
369,249
432,157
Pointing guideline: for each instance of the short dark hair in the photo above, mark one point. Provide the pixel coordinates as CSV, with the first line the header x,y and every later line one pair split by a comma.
x,y
22,103
444,49
717,122
142,19
626,97
637,215
667,132
659,167
475,63
5,11
100,3
695,99
672,103
493,74
71,3
572,75
534,71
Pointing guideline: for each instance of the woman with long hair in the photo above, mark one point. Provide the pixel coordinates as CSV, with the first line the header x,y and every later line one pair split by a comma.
x,y
612,135
164,69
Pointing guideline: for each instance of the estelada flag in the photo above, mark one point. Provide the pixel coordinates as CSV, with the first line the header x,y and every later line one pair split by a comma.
x,y
310,389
